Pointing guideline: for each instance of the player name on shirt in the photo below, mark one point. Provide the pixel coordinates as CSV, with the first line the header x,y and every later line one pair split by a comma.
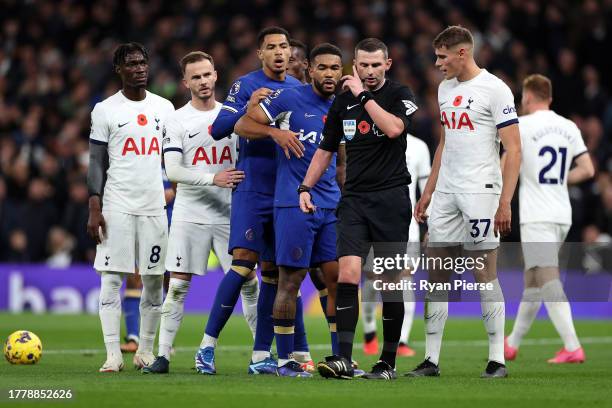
x,y
550,143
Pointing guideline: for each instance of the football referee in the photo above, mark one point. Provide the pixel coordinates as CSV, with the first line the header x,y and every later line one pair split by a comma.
x,y
372,117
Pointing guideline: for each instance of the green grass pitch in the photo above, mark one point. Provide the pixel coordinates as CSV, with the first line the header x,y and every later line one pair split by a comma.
x,y
73,352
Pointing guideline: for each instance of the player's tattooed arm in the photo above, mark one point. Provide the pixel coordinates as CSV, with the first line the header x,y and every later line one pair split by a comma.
x,y
511,140
420,209
96,178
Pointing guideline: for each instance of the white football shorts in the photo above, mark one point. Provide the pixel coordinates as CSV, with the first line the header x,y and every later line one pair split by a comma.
x,y
463,219
189,246
541,242
133,241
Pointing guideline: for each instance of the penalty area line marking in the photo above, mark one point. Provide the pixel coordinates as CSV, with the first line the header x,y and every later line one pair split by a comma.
x,y
446,343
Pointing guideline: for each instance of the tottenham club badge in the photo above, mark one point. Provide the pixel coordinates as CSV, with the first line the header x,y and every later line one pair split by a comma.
x,y
350,127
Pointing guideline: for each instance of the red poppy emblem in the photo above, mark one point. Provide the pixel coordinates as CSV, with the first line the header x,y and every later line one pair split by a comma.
x,y
142,120
364,127
324,118
457,100
210,129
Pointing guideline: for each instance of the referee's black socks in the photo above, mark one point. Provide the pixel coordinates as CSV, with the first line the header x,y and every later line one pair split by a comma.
x,y
347,314
393,318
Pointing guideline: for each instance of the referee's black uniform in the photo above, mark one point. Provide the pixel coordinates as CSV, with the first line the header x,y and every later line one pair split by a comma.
x,y
375,205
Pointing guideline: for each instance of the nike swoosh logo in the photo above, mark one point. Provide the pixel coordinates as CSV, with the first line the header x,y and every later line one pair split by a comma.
x,y
122,125
308,115
225,306
151,267
343,308
351,106
107,303
478,242
194,135
443,103
386,320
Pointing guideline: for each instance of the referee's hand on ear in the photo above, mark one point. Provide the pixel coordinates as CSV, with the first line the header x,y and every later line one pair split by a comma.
x,y
352,82
306,204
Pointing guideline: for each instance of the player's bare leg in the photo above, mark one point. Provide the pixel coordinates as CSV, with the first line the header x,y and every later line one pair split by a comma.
x,y
131,304
284,314
493,311
436,311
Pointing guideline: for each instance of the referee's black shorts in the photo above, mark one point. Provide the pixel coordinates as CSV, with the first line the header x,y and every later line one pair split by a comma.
x,y
380,219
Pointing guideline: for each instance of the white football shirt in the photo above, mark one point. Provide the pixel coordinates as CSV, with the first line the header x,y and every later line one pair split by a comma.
x,y
471,112
132,131
419,167
188,132
550,143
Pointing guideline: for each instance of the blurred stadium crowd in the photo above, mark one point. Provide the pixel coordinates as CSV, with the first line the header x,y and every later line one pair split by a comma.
x,y
55,64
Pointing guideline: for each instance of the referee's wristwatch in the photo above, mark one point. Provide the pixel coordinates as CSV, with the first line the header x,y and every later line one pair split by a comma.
x,y
303,189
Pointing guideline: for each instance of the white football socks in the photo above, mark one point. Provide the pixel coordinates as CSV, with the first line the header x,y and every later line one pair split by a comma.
x,y
110,311
436,313
208,341
150,311
369,297
409,306
249,294
494,318
172,314
527,312
560,313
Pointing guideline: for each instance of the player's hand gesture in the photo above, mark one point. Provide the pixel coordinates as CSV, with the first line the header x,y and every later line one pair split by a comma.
x,y
289,142
306,204
503,218
352,82
228,178
95,224
258,96
420,209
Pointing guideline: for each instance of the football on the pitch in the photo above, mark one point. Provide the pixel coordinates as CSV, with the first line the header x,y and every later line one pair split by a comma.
x,y
23,347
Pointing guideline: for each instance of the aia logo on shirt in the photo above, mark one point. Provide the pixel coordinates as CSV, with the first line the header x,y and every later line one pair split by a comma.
x,y
211,155
143,148
457,121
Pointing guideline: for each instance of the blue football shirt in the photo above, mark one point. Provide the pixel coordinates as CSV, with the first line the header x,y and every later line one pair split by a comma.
x,y
255,157
302,111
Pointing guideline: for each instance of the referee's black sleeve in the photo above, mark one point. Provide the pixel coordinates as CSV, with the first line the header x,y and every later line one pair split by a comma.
x,y
332,130
403,105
